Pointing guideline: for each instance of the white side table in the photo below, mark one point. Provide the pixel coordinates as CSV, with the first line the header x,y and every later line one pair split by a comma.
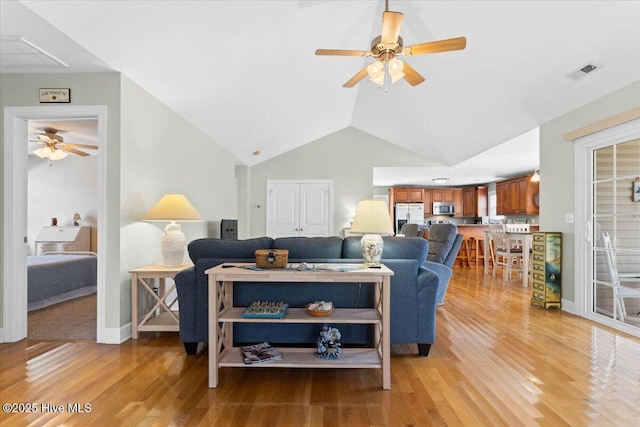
x,y
161,317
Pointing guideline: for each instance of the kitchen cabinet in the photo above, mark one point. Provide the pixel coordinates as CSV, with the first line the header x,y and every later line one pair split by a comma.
x,y
442,195
502,198
469,202
458,203
474,202
427,200
517,196
408,195
482,201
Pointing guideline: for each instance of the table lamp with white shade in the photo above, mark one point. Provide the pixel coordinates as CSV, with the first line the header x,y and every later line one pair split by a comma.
x,y
173,207
372,219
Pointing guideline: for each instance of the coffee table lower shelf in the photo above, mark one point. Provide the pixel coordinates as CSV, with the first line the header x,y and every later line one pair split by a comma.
x,y
304,358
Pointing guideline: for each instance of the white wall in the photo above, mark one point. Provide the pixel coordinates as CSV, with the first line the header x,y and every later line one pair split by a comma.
x,y
347,157
59,190
86,89
156,151
163,153
557,170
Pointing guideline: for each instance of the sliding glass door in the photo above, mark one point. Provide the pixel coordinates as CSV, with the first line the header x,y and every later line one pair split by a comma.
x,y
613,230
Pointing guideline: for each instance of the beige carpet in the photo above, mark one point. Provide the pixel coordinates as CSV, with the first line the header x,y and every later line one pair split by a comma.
x,y
69,320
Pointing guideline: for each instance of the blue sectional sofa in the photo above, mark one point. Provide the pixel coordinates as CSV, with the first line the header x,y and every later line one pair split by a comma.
x,y
413,290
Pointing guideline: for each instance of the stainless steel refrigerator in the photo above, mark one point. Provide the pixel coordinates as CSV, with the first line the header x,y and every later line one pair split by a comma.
x,y
412,213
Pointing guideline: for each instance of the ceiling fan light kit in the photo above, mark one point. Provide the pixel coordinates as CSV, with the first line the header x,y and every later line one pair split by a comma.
x,y
51,146
386,47
57,155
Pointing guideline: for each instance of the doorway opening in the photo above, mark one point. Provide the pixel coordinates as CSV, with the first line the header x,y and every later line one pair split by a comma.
x,y
15,209
62,258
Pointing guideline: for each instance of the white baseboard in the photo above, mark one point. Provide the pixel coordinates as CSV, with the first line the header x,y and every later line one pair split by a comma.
x,y
569,306
116,335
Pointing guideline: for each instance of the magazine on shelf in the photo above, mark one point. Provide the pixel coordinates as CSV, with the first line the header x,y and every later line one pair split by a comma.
x,y
259,353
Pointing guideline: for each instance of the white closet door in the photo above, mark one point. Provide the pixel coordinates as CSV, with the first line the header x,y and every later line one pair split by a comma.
x,y
314,210
297,208
283,210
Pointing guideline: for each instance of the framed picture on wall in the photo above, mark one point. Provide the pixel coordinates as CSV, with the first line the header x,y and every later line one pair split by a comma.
x,y
636,190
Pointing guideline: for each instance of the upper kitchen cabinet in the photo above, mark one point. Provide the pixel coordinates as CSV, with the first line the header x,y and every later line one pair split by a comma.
x,y
517,196
458,202
474,202
427,199
408,195
444,195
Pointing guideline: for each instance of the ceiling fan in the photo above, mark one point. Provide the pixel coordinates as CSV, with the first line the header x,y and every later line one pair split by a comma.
x,y
51,146
387,46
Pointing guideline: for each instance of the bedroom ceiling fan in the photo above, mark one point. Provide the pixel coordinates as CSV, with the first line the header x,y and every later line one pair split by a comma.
x,y
51,146
386,47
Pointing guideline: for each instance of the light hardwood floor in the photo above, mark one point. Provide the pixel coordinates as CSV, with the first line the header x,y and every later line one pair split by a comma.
x,y
497,361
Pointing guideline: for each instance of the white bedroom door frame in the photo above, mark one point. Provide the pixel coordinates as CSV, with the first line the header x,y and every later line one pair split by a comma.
x,y
14,298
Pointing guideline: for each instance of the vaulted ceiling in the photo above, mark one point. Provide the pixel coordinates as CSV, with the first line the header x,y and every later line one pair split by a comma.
x,y
245,71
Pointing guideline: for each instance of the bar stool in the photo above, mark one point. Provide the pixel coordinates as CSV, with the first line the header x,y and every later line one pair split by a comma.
x,y
473,252
479,252
463,253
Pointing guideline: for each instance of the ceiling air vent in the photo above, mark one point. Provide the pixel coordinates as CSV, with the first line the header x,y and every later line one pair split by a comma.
x,y
582,72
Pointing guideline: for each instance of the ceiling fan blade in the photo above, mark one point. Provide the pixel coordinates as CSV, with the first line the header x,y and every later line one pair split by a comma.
x,y
340,52
44,137
75,144
435,47
356,79
391,22
411,75
68,149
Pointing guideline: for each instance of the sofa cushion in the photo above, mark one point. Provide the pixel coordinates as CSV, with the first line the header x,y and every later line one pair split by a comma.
x,y
351,248
441,238
216,248
393,248
405,248
310,247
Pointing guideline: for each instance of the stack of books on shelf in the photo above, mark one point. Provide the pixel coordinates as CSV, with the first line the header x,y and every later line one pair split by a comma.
x,y
259,353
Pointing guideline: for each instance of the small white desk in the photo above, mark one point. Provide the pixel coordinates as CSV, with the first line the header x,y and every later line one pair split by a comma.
x,y
527,240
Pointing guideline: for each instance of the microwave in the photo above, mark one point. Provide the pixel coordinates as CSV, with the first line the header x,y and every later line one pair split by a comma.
x,y
443,208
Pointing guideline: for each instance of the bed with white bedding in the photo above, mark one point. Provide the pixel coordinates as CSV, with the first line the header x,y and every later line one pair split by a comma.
x,y
56,277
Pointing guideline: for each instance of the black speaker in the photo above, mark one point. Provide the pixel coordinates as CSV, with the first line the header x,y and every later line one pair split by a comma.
x,y
229,229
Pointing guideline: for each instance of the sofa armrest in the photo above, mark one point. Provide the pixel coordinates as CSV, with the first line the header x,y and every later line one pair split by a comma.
x,y
444,272
187,290
413,301
427,289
